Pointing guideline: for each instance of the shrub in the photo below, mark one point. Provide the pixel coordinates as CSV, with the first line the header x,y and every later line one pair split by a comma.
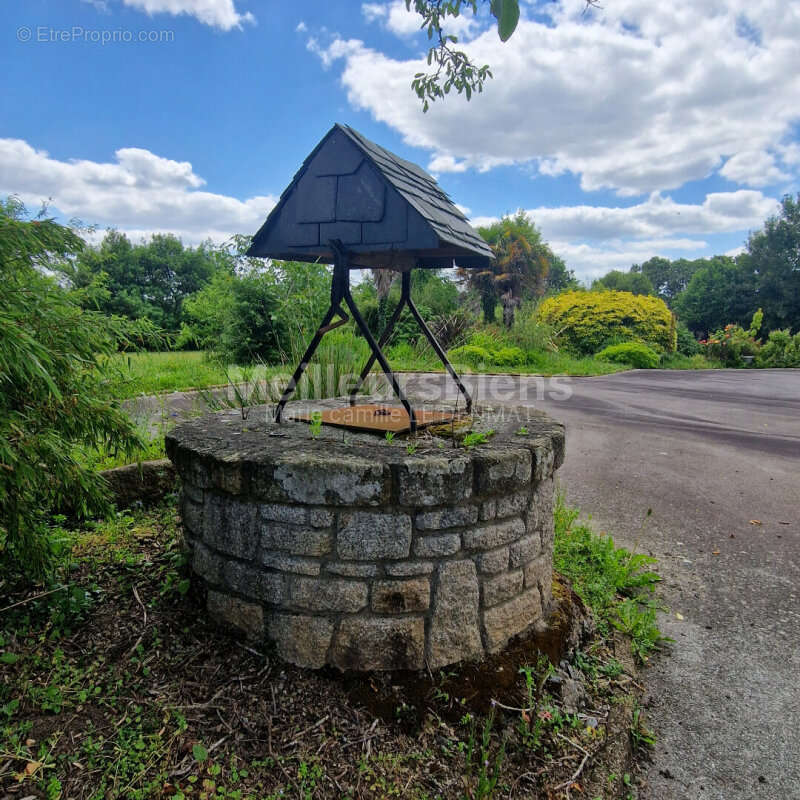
x,y
634,353
471,355
56,381
780,350
687,344
733,342
488,338
451,329
585,321
253,331
476,356
508,357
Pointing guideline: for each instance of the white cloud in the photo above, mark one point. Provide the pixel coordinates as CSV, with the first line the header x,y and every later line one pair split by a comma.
x,y
636,98
658,216
221,14
595,239
402,22
301,27
753,168
138,192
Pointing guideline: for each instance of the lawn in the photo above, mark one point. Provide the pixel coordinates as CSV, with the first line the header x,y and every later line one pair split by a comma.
x,y
148,373
115,686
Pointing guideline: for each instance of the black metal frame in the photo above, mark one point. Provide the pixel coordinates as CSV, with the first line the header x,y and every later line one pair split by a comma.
x,y
340,291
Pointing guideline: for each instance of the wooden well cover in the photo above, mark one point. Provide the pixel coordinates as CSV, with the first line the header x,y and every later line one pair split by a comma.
x,y
377,418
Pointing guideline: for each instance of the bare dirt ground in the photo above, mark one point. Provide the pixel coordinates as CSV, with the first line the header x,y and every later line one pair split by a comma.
x,y
716,455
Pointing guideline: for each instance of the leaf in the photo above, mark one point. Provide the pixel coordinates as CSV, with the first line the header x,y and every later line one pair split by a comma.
x,y
9,658
756,522
199,752
507,14
31,767
678,615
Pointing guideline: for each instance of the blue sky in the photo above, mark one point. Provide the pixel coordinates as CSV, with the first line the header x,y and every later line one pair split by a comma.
x,y
627,132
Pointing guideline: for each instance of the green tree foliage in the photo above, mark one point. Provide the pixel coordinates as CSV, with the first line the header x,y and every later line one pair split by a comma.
x,y
54,387
148,280
633,282
253,329
255,310
668,278
773,255
720,292
559,278
522,261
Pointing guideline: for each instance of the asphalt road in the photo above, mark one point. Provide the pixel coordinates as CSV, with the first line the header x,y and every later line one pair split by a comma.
x,y
716,455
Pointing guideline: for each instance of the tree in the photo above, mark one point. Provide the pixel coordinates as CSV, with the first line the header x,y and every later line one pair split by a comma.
x,y
721,292
773,254
150,279
633,282
454,69
669,278
559,278
520,268
54,387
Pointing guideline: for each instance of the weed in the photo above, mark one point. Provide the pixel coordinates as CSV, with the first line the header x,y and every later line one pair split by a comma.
x,y
389,436
411,448
522,431
475,438
641,736
315,425
616,583
481,786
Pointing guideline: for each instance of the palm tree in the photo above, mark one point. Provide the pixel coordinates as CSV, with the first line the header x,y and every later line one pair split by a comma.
x,y
519,270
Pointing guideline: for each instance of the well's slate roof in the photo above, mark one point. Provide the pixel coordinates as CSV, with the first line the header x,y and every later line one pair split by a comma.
x,y
423,228
422,192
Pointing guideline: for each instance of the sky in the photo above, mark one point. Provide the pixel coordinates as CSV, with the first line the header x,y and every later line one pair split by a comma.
x,y
627,131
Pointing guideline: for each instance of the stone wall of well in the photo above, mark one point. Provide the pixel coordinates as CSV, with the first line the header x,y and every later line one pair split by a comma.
x,y
365,562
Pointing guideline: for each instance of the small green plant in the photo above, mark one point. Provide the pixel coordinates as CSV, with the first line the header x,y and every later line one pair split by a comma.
x,y
481,786
411,448
315,425
642,737
522,431
389,436
475,438
636,354
532,722
616,583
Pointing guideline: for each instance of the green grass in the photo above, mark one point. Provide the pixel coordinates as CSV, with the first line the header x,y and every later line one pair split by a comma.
x,y
151,373
617,584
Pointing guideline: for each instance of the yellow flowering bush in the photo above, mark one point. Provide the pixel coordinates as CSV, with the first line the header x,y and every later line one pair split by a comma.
x,y
585,322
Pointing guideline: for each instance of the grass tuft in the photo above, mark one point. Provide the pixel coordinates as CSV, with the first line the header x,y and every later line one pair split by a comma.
x,y
617,584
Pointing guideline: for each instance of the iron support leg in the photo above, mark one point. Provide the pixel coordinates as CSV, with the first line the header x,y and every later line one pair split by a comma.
x,y
439,352
387,332
376,352
301,367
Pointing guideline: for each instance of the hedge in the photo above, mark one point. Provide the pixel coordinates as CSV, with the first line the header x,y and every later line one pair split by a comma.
x,y
585,322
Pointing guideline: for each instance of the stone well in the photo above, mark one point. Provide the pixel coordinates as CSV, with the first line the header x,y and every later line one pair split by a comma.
x,y
349,550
